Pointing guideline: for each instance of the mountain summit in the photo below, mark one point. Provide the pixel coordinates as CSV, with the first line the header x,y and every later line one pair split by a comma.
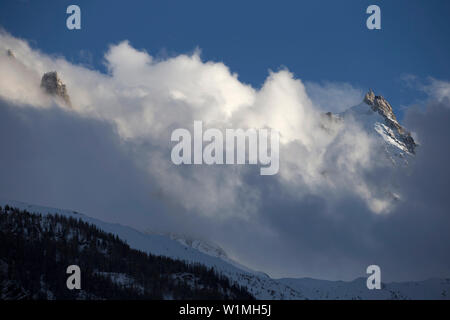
x,y
382,106
376,116
53,85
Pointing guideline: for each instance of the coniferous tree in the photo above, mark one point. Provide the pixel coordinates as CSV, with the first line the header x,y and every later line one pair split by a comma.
x,y
35,251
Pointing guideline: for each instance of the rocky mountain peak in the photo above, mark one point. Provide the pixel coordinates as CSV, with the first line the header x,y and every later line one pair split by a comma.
x,y
53,85
379,104
369,97
382,106
10,54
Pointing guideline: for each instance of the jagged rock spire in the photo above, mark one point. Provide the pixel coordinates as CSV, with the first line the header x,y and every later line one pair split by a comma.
x,y
379,104
9,53
383,107
53,85
369,97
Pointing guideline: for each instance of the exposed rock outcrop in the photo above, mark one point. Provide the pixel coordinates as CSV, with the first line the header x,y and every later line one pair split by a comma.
x,y
9,53
382,106
53,85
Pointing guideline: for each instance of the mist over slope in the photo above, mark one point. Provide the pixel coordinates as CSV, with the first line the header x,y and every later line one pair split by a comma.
x,y
186,279
337,205
37,249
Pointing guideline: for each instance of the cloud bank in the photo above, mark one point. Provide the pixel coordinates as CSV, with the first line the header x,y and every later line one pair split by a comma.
x,y
326,214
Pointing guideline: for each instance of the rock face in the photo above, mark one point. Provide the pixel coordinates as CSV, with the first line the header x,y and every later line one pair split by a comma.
x,y
379,104
53,85
375,116
9,53
382,106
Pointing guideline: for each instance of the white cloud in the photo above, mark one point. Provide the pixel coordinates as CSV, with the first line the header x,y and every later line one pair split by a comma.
x,y
147,98
316,215
437,89
334,96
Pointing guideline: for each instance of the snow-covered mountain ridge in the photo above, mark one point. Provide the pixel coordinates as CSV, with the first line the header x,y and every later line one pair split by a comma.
x,y
376,116
258,284
206,247
357,290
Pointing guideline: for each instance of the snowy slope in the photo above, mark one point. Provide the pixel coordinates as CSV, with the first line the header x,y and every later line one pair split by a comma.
x,y
376,117
257,283
209,248
260,285
357,289
374,123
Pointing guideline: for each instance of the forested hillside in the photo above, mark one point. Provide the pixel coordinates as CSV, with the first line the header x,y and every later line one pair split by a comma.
x,y
36,250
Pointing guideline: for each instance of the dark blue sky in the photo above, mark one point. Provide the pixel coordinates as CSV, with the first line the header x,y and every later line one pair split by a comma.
x,y
316,40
